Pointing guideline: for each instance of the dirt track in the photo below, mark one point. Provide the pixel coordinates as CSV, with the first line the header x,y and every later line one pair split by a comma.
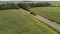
x,y
46,21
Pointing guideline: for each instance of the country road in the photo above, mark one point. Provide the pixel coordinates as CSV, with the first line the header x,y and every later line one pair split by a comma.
x,y
46,21
50,23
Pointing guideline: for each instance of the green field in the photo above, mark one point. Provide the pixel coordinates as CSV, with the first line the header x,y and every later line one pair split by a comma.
x,y
18,22
52,13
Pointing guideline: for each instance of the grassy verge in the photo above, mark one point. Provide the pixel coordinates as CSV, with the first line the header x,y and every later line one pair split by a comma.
x,y
52,13
18,22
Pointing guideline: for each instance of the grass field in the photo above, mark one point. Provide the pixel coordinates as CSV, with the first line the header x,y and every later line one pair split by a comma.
x,y
52,13
18,22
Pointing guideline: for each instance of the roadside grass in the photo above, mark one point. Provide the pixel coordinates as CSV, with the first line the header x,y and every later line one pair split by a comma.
x,y
52,13
18,22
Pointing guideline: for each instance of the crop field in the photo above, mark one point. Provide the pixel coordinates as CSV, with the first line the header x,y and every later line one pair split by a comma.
x,y
18,22
51,13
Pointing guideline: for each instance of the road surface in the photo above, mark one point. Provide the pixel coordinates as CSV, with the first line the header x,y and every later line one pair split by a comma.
x,y
46,21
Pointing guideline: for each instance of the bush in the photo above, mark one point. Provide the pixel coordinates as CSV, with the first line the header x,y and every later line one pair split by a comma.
x,y
24,6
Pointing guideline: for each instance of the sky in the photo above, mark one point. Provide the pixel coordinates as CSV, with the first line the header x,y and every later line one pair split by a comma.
x,y
29,0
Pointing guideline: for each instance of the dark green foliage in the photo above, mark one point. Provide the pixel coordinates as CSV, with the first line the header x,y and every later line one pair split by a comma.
x,y
8,6
32,5
40,4
24,6
43,4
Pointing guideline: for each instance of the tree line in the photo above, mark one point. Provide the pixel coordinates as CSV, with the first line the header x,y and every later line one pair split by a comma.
x,y
8,6
45,4
25,6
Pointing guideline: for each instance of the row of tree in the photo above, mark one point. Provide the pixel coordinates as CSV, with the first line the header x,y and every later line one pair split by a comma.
x,y
25,6
40,4
8,6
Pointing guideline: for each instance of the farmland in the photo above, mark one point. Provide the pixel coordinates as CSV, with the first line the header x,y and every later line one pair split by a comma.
x,y
51,13
15,21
